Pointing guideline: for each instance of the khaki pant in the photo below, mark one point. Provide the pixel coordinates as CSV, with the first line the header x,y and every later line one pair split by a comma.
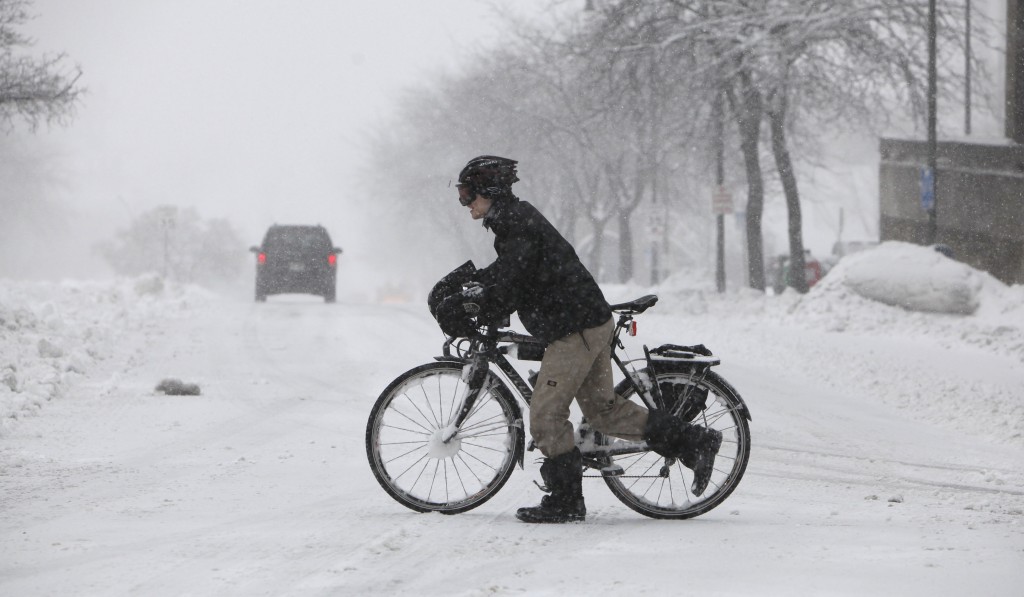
x,y
579,366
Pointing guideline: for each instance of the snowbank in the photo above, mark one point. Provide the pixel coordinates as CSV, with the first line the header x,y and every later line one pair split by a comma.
x,y
51,334
896,289
913,277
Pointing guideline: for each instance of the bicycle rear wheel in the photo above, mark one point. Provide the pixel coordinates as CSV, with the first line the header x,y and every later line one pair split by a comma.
x,y
652,486
413,465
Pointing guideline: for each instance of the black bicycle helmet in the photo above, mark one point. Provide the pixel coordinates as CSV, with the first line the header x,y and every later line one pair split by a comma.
x,y
488,175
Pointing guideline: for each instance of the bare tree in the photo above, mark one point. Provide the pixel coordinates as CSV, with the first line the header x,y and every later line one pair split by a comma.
x,y
180,244
851,59
33,89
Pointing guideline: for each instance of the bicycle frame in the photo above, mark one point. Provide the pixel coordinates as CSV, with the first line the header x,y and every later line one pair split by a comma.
x,y
491,346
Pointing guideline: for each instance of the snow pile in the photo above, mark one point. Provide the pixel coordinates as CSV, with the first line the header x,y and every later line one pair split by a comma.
x,y
53,334
913,277
899,289
896,290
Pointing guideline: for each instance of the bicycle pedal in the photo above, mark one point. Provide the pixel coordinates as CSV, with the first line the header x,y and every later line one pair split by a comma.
x,y
613,470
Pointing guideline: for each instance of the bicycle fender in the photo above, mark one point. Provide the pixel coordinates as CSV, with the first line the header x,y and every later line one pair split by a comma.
x,y
457,361
728,386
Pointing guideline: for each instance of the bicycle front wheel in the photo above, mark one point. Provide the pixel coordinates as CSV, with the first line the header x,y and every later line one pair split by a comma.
x,y
657,487
405,448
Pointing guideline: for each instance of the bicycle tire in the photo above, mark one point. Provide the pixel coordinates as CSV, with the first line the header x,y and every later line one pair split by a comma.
x,y
642,486
419,471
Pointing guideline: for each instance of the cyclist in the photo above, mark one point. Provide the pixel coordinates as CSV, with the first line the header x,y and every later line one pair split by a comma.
x,y
538,274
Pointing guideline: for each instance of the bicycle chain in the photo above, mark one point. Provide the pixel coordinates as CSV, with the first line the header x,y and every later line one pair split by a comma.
x,y
623,477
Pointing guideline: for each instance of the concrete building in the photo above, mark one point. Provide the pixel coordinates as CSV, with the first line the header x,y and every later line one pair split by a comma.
x,y
979,187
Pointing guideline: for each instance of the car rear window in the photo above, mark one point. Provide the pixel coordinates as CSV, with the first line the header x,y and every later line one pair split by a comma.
x,y
297,238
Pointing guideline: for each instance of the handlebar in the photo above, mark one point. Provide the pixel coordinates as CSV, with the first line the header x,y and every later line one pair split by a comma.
x,y
494,334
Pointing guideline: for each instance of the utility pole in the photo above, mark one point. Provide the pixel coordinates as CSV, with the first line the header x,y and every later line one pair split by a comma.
x,y
933,174
967,67
719,184
167,221
1015,70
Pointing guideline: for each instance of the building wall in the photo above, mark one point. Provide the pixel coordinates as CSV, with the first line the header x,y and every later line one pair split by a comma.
x,y
979,201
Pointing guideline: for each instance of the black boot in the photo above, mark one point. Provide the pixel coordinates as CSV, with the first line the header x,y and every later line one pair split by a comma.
x,y
696,446
563,476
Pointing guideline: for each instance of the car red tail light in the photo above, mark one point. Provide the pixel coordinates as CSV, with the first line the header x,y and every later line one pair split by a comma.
x,y
262,258
332,260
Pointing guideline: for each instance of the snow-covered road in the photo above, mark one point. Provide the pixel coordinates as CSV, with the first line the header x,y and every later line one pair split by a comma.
x,y
863,479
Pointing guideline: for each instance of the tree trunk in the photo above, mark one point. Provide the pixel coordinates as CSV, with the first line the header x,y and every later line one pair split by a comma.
x,y
595,250
625,247
797,277
748,111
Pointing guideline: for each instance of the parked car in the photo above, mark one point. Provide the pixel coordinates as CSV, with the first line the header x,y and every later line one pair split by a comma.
x,y
778,271
296,259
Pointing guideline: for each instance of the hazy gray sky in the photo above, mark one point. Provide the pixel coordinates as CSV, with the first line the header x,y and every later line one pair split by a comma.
x,y
252,109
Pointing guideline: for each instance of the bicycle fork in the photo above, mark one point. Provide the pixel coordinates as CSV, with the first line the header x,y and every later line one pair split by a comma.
x,y
474,374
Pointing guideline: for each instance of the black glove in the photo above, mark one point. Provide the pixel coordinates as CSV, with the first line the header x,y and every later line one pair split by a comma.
x,y
457,316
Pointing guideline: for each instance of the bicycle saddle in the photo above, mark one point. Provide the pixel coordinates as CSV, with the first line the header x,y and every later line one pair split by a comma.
x,y
637,305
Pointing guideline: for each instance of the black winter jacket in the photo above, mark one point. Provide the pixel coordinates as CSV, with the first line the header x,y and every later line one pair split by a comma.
x,y
538,274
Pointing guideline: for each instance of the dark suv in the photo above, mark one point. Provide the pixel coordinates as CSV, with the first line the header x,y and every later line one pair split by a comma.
x,y
298,259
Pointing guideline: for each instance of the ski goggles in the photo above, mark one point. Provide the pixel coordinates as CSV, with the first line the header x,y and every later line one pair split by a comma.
x,y
466,194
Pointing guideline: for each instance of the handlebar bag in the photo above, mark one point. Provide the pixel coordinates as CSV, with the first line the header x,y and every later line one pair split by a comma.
x,y
449,307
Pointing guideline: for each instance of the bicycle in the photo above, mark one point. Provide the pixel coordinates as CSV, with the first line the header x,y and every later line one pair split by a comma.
x,y
446,436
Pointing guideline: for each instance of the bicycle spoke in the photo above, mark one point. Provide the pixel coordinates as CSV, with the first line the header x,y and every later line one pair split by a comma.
x,y
409,468
477,424
486,430
480,461
459,477
421,443
433,479
686,488
661,489
644,473
430,407
470,469
451,405
402,414
495,434
403,454
447,496
484,447
418,410
413,431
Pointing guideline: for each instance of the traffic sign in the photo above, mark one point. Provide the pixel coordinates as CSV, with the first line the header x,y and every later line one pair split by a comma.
x,y
721,201
927,189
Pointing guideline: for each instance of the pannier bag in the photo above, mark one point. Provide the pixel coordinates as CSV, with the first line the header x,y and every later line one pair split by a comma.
x,y
686,400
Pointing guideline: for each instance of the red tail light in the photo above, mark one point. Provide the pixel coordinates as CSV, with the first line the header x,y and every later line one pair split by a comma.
x,y
332,260
632,328
262,258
